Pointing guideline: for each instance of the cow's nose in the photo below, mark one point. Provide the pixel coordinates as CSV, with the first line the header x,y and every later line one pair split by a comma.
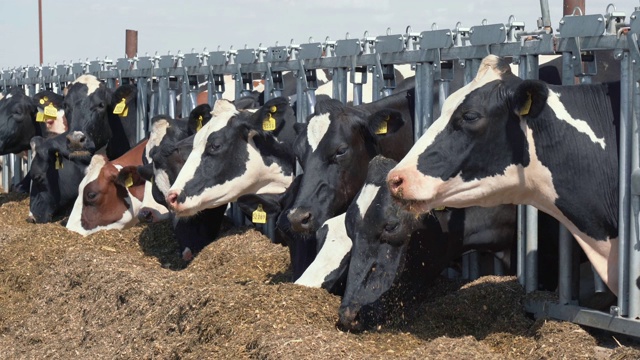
x,y
348,317
172,199
145,215
76,138
300,220
31,219
395,185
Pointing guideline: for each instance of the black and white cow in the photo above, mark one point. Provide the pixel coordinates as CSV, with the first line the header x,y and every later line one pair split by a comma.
x,y
92,121
17,122
55,179
504,140
393,247
51,112
234,154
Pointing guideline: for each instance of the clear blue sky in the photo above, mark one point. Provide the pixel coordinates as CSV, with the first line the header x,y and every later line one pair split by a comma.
x,y
80,29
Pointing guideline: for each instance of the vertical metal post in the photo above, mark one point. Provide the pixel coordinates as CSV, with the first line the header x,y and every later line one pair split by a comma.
x,y
6,173
131,43
141,107
521,244
565,273
340,84
624,185
634,231
40,30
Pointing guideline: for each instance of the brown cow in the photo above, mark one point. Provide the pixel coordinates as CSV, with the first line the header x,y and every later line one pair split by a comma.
x,y
110,195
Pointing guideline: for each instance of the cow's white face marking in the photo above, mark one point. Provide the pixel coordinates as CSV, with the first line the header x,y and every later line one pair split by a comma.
x,y
553,100
158,131
222,112
91,81
149,203
8,96
336,246
317,128
365,198
57,125
91,173
257,179
161,179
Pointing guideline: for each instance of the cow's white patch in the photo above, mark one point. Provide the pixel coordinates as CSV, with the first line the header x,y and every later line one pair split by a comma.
x,y
8,96
336,246
365,198
91,81
149,203
59,125
91,173
158,131
161,179
257,179
582,126
317,128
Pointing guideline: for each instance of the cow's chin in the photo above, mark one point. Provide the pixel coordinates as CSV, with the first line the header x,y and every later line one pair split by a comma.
x,y
81,155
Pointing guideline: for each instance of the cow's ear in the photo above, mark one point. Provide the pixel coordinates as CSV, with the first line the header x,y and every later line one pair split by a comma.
x,y
529,98
246,103
129,176
199,117
145,171
299,127
268,202
385,122
273,114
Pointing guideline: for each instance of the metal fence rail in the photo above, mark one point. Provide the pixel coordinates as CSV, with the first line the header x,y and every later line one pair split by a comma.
x,y
436,54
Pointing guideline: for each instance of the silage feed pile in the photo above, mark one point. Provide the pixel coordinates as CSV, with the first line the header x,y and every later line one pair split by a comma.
x,y
127,295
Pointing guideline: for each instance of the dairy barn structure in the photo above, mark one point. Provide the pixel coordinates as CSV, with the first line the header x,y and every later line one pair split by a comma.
x,y
169,84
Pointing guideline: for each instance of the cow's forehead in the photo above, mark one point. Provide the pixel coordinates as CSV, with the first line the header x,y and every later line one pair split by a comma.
x,y
94,168
90,81
365,198
222,112
317,129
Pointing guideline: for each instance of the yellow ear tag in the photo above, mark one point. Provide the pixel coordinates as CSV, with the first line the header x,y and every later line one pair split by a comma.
x,y
273,109
382,129
259,216
527,105
121,108
50,111
43,100
129,182
199,123
40,116
58,163
269,124
440,208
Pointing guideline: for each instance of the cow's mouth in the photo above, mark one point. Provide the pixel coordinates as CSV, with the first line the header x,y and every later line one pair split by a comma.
x,y
79,154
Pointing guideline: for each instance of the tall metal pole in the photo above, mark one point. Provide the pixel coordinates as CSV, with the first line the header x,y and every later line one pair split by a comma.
x,y
40,29
131,43
569,5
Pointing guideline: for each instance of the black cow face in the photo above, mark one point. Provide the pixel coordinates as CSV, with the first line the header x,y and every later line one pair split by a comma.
x,y
17,122
55,179
334,150
390,247
232,155
90,129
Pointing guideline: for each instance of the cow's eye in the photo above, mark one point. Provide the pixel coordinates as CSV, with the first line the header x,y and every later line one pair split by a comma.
x,y
213,147
92,195
470,116
341,151
391,227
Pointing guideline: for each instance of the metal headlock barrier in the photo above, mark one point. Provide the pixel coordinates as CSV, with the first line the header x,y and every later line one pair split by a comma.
x,y
435,54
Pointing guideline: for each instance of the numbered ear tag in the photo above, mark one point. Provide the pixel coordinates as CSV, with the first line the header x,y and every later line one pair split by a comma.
x,y
259,216
121,108
382,129
40,116
269,124
50,111
58,163
129,182
199,123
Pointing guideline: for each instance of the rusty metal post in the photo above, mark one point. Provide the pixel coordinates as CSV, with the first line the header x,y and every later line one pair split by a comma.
x,y
569,5
131,43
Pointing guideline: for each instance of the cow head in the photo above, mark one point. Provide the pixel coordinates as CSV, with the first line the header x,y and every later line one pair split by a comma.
x,y
55,179
89,129
390,247
109,197
17,115
232,155
475,153
334,150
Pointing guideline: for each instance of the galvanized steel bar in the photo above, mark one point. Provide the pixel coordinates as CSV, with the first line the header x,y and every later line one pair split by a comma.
x,y
634,230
